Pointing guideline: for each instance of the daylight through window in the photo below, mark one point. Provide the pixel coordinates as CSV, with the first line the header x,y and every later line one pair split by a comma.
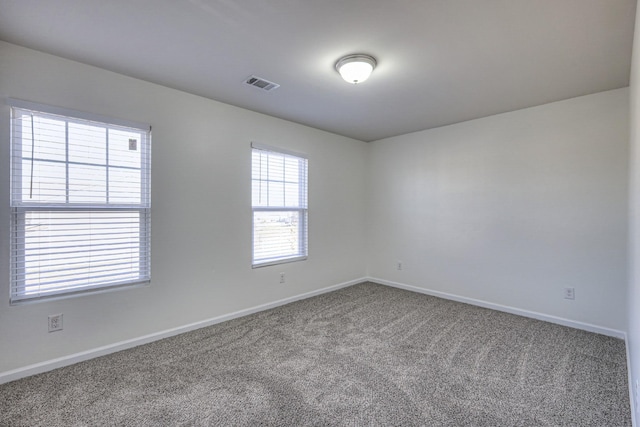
x,y
279,200
80,202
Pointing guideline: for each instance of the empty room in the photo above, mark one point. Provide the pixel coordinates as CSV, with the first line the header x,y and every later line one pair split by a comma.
x,y
356,212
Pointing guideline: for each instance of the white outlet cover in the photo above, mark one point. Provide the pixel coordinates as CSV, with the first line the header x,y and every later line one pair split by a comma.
x,y
55,322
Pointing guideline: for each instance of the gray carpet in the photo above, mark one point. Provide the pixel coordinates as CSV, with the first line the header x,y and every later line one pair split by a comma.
x,y
363,355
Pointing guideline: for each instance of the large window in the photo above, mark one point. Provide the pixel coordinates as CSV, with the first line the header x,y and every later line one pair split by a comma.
x,y
80,202
279,200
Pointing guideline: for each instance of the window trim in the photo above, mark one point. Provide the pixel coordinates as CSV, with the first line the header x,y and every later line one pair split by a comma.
x,y
303,211
20,208
76,114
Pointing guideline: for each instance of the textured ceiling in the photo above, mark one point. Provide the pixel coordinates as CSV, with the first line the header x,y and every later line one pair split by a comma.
x,y
439,62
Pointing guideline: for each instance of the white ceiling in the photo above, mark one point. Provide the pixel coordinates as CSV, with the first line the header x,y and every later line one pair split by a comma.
x,y
439,61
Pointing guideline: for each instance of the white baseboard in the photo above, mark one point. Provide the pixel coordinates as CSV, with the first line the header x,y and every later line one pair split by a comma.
x,y
632,396
49,365
60,362
520,312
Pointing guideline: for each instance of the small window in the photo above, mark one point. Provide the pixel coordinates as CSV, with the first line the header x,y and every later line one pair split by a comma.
x,y
279,201
80,202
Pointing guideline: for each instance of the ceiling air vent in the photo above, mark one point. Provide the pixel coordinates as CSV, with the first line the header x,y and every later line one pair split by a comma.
x,y
261,83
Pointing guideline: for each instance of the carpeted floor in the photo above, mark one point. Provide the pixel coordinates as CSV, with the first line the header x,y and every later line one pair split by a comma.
x,y
363,355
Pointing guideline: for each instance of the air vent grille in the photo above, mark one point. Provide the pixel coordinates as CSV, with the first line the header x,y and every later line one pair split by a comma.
x,y
260,83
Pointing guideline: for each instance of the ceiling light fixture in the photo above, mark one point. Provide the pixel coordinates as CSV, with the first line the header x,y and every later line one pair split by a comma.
x,y
356,68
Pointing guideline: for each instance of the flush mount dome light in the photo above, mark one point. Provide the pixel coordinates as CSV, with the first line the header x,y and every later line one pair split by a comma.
x,y
356,68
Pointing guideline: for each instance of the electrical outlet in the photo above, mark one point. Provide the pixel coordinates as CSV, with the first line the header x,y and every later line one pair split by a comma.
x,y
282,278
570,293
55,322
399,265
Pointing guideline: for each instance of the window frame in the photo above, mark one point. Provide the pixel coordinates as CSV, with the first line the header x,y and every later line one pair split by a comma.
x,y
302,211
21,208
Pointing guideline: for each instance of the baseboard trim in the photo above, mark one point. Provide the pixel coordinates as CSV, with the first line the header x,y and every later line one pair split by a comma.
x,y
632,397
507,309
60,362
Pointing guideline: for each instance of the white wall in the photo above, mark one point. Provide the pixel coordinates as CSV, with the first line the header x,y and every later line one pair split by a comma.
x,y
510,209
633,334
201,247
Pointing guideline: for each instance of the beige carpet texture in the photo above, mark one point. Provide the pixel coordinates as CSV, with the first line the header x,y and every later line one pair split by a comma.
x,y
364,355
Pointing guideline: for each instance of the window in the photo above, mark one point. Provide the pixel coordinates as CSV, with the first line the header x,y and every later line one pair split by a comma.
x,y
80,202
279,200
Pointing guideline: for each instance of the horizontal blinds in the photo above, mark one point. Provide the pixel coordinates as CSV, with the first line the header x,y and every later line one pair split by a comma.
x,y
64,251
76,114
279,200
279,235
80,204
66,161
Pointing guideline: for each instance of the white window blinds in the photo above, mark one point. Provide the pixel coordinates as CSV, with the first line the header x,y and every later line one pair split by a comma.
x,y
279,201
80,202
